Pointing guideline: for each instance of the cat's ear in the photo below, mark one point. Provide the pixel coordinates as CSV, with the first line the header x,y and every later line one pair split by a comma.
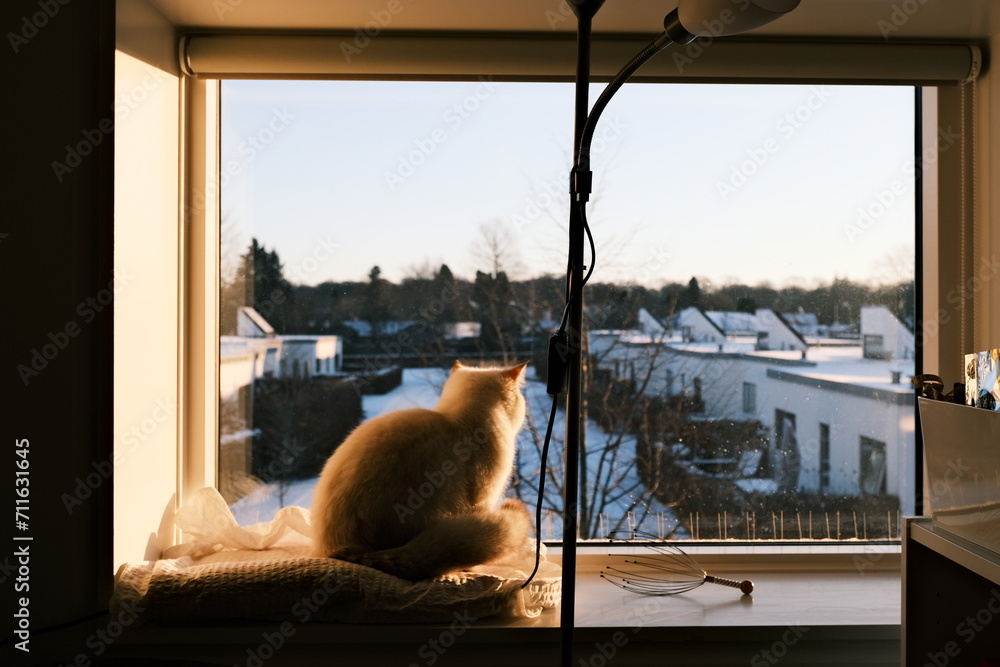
x,y
516,373
458,365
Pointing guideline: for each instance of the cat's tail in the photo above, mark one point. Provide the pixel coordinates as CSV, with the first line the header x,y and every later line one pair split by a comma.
x,y
455,542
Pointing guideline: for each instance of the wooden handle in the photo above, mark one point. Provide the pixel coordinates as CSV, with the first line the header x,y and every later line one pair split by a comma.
x,y
746,586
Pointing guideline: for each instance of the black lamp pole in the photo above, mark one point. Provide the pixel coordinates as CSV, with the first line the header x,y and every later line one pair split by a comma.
x,y
585,11
715,18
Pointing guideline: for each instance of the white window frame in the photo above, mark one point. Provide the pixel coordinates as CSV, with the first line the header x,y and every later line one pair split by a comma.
x,y
198,253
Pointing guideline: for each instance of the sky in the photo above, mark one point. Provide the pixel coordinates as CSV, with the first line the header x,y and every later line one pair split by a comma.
x,y
786,185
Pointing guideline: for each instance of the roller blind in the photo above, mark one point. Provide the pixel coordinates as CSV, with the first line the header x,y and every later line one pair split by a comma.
x,y
551,58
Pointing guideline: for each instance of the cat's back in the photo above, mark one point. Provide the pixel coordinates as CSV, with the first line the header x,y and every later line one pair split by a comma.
x,y
390,452
397,425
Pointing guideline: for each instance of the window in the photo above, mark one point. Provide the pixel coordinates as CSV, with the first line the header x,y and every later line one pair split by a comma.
x,y
718,331
874,346
824,457
749,398
873,466
784,453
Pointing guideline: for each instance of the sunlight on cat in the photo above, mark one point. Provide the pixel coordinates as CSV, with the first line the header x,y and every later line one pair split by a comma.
x,y
416,493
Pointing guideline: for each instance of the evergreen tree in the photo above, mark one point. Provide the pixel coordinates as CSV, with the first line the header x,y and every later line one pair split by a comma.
x,y
375,308
691,296
258,282
446,291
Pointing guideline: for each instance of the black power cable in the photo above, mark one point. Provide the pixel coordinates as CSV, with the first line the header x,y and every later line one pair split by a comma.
x,y
557,361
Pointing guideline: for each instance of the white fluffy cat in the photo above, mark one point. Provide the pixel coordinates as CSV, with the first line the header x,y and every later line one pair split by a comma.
x,y
415,492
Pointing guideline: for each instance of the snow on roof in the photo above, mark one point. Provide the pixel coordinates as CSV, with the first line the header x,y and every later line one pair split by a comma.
x,y
757,485
307,338
847,365
734,322
252,324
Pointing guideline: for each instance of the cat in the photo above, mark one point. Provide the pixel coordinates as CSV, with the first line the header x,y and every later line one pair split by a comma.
x,y
415,492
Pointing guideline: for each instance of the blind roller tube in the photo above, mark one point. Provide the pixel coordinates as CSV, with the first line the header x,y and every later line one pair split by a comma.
x,y
551,58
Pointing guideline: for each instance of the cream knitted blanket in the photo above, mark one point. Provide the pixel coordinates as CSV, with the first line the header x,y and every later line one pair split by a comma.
x,y
263,572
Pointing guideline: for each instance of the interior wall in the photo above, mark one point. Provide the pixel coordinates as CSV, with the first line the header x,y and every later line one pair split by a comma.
x,y
987,329
147,265
56,251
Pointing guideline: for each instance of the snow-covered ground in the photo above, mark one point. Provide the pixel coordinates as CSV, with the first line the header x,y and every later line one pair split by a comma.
x,y
611,463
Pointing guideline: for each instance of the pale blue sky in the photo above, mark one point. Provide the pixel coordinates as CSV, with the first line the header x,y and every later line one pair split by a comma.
x,y
734,183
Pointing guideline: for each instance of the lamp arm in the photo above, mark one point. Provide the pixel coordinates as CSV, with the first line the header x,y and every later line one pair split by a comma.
x,y
673,33
623,75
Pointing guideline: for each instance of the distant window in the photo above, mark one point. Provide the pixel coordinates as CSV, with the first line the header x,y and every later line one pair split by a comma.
x,y
749,398
824,457
319,365
785,461
874,347
873,465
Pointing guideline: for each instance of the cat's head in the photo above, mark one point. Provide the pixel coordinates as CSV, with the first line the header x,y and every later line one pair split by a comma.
x,y
495,388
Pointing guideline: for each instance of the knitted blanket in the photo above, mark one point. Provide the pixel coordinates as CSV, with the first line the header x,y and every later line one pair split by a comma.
x,y
227,572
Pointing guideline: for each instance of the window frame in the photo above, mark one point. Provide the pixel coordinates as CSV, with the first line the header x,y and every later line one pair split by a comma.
x,y
201,117
942,265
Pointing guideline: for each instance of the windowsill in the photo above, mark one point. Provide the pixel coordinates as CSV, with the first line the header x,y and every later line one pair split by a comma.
x,y
818,605
832,586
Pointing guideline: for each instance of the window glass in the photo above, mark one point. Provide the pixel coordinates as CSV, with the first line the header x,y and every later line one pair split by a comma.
x,y
750,316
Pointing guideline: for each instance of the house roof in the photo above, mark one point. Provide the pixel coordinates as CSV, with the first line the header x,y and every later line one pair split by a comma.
x,y
261,328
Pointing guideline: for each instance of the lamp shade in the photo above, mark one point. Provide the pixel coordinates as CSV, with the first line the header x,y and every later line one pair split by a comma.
x,y
719,18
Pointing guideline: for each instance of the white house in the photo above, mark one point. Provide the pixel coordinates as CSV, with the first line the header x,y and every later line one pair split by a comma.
x,y
767,328
775,332
304,356
884,336
839,421
695,326
257,352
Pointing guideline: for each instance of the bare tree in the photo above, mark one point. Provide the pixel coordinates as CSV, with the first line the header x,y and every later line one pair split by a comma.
x,y
613,494
498,251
